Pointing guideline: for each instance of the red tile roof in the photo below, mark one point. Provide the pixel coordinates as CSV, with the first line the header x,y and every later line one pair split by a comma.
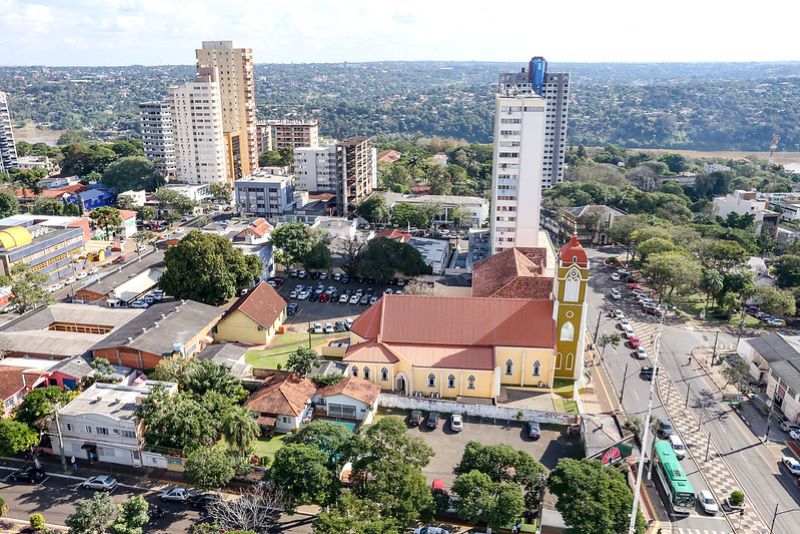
x,y
395,235
513,273
11,381
353,387
420,189
370,352
126,214
572,252
282,393
388,156
262,304
461,357
458,321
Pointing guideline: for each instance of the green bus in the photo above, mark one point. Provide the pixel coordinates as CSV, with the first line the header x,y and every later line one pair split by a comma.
x,y
673,479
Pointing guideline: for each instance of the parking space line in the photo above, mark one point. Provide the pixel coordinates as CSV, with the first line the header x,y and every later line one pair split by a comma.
x,y
45,479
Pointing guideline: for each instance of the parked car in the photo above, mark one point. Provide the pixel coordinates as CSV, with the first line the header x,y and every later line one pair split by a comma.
x,y
354,299
707,502
293,273
627,331
432,421
646,373
635,286
634,342
176,494
388,291
203,500
339,326
120,259
343,298
324,297
138,304
100,482
328,328
618,314
317,328
615,277
373,300
791,464
416,418
344,279
431,530
534,430
8,308
665,428
294,293
615,294
787,425
364,300
348,323
456,423
292,309
303,295
29,473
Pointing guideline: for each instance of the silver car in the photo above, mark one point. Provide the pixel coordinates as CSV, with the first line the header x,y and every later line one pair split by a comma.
x,y
456,423
100,482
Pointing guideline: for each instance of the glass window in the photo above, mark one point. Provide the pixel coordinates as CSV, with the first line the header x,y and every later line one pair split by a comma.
x,y
355,371
537,368
471,382
384,374
451,382
431,380
509,367
568,332
366,373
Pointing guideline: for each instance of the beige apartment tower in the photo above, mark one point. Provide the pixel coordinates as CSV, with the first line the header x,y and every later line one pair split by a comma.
x,y
237,94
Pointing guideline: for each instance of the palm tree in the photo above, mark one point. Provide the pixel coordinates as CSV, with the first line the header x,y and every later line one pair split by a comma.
x,y
608,339
240,429
712,283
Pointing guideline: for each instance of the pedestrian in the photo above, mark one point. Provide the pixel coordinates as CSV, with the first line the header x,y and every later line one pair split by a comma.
x,y
74,463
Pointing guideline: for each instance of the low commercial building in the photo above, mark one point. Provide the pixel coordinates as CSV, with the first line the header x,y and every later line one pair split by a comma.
x,y
93,198
42,248
254,318
198,193
126,284
162,330
264,195
65,374
435,252
339,228
27,163
775,364
137,198
471,211
100,425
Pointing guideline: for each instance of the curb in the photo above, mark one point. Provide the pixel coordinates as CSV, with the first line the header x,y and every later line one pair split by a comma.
x,y
60,528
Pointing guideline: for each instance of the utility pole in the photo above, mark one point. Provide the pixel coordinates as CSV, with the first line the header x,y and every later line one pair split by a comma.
x,y
624,379
60,439
688,388
597,327
708,446
714,354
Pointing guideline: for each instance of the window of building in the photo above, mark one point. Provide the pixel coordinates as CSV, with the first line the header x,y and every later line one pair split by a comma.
x,y
572,286
69,427
537,368
88,429
509,367
128,434
431,380
451,382
366,373
355,371
102,431
567,332
471,382
384,374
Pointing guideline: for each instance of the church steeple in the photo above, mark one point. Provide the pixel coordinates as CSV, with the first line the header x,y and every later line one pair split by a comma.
x,y
569,311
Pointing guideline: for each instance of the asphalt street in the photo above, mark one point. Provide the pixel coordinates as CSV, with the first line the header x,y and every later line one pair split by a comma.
x,y
754,465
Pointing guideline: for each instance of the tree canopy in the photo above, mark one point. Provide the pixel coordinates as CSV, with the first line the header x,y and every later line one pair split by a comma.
x,y
131,173
383,258
209,467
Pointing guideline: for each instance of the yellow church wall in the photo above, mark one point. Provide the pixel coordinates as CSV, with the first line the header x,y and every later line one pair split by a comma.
x,y
482,384
523,360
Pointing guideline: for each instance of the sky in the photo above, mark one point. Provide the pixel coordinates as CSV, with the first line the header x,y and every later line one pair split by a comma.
x,y
158,32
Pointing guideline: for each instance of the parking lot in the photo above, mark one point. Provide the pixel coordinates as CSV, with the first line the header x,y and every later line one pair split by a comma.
x,y
311,310
449,446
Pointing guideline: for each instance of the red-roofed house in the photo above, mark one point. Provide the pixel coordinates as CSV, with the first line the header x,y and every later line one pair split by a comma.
x,y
282,402
254,318
15,383
395,235
350,398
523,326
388,156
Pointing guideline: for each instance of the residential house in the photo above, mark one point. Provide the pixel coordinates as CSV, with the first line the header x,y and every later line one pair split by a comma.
x,y
92,198
172,328
350,398
591,223
15,383
746,202
101,425
231,355
472,211
282,402
254,318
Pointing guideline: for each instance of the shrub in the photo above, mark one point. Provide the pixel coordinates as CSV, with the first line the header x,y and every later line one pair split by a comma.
x,y
327,379
736,498
3,507
37,522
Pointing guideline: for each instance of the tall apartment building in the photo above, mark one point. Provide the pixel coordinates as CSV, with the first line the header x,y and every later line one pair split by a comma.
x,y
356,162
519,131
263,136
554,88
315,169
197,130
294,133
8,150
238,97
157,136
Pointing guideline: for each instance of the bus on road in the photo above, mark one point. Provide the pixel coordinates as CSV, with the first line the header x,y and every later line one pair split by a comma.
x,y
673,479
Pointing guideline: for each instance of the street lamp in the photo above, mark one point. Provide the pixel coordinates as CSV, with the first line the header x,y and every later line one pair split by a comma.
x,y
776,514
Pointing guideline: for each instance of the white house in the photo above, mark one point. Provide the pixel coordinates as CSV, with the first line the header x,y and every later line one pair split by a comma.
x,y
744,202
350,398
138,198
100,424
282,402
775,363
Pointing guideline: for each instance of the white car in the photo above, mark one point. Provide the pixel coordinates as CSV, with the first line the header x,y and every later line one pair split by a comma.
x,y
707,502
615,277
303,295
456,423
55,287
373,300
71,280
355,298
100,482
641,353
677,446
792,465
348,322
94,270
328,328
343,298
176,494
138,304
627,331
615,294
81,275
317,329
431,530
794,433
619,314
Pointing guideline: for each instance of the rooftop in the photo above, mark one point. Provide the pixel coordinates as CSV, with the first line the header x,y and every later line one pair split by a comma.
x,y
231,355
353,387
146,266
435,252
514,273
392,198
115,401
282,393
782,353
262,304
264,178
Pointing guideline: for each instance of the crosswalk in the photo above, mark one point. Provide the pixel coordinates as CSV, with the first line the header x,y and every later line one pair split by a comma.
x,y
681,530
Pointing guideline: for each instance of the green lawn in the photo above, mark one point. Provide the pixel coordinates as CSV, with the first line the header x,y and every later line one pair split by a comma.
x,y
565,405
266,447
563,387
282,346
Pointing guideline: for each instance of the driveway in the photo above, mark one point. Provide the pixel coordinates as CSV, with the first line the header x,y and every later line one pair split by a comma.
x,y
449,446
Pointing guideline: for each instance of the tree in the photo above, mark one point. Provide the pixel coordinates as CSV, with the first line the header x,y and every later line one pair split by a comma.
x,y
374,209
654,245
458,215
147,213
351,255
737,372
669,271
132,173
775,301
27,287
108,219
324,435
294,241
132,516
592,498
182,422
221,192
302,473
608,339
92,516
319,257
282,157
240,429
482,501
409,215
47,206
40,403
711,282
173,203
37,522
302,361
207,268
352,515
71,137
254,511
675,162
8,204
143,238
787,270
720,254
383,258
16,437
209,467
203,376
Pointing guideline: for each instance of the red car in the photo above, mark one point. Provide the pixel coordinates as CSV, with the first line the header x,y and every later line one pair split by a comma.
x,y
278,280
324,297
119,259
635,286
634,342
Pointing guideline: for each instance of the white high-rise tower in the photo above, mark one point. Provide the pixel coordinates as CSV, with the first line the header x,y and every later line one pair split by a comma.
x,y
8,150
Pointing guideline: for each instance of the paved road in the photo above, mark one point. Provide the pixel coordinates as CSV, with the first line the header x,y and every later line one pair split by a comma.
x,y
754,465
